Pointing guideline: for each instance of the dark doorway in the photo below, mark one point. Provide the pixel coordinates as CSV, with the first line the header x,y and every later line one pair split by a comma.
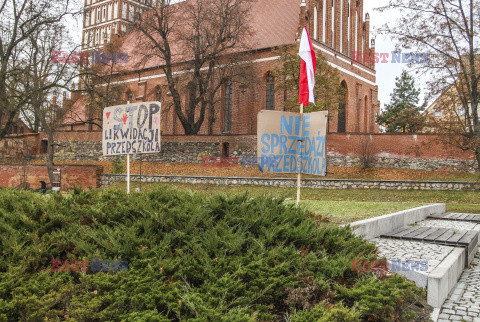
x,y
44,146
225,149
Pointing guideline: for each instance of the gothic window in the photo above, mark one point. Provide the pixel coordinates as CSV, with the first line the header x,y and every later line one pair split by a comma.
x,y
342,110
129,96
228,107
270,92
315,23
158,94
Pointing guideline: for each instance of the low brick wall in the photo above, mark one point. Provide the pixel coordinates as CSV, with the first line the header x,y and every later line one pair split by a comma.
x,y
107,179
79,175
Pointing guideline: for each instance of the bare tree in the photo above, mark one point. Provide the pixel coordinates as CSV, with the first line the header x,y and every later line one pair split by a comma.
x,y
20,19
44,79
449,31
99,85
199,36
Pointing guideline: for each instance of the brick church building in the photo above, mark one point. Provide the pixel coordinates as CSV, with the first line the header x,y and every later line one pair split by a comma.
x,y
338,28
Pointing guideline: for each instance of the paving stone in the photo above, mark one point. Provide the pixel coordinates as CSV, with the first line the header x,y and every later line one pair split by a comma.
x,y
465,305
394,249
447,311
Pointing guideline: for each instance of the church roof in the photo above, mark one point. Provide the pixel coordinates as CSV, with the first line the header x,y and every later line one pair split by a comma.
x,y
273,23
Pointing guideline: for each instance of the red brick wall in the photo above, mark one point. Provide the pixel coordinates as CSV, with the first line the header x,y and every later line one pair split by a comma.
x,y
422,146
84,176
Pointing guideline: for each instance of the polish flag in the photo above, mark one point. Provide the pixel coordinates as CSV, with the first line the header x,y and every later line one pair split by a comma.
x,y
307,69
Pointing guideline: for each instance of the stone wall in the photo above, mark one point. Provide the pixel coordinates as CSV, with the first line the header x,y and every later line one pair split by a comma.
x,y
186,152
190,152
107,179
71,146
404,163
401,151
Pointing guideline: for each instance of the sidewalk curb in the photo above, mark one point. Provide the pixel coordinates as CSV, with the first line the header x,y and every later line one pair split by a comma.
x,y
374,227
444,277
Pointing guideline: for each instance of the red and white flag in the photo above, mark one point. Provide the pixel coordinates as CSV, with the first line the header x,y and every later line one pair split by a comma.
x,y
307,69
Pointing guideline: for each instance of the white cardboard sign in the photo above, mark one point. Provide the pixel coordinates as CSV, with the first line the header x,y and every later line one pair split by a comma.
x,y
131,128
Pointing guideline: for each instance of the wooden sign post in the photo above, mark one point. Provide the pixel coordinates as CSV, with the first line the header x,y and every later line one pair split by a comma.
x,y
290,142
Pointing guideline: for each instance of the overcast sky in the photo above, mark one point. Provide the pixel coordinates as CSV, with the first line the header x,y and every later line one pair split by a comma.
x,y
386,72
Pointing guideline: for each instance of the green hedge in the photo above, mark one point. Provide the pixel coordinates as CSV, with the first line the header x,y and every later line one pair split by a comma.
x,y
190,257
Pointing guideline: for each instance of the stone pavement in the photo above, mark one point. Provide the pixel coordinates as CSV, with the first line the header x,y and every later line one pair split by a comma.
x,y
412,251
463,304
459,225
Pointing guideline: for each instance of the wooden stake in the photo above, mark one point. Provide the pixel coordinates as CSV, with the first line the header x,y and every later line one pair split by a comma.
x,y
299,175
128,169
128,173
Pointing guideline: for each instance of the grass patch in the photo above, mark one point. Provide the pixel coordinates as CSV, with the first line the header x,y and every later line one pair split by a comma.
x,y
464,208
371,195
456,201
344,212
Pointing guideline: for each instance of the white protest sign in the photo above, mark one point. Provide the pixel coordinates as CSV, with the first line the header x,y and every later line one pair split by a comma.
x,y
286,144
131,128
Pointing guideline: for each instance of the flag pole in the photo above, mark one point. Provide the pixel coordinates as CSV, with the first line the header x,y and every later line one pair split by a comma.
x,y
299,175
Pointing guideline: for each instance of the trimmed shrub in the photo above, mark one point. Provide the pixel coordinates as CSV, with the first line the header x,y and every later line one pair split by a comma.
x,y
190,257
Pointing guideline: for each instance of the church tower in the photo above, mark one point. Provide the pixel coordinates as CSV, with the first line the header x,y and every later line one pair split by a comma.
x,y
341,25
104,18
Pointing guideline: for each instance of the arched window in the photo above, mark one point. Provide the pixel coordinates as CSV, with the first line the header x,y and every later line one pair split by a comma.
x,y
158,94
270,92
342,110
227,127
366,115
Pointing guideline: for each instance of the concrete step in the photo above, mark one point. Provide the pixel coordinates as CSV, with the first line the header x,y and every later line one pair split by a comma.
x,y
456,217
436,267
457,225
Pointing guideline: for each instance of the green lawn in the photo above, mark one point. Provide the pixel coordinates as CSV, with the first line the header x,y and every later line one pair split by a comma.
x,y
345,205
343,212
